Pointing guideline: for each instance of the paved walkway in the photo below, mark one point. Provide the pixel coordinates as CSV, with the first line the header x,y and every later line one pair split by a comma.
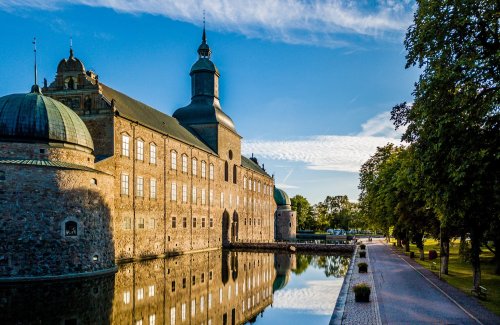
x,y
409,294
404,292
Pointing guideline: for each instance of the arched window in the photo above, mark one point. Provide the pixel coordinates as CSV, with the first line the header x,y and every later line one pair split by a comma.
x,y
234,174
226,171
173,160
203,169
211,171
194,166
184,163
71,229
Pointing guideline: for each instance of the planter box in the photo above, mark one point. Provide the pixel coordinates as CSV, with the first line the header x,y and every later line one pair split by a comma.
x,y
362,297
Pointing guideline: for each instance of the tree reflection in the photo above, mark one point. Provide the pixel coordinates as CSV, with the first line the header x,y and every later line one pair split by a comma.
x,y
335,266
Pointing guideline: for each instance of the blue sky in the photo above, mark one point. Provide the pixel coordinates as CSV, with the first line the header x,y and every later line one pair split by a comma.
x,y
308,83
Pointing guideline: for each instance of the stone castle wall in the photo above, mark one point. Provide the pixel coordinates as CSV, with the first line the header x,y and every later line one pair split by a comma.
x,y
144,226
37,202
286,224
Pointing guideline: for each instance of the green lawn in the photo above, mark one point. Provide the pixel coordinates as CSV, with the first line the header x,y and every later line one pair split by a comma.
x,y
460,274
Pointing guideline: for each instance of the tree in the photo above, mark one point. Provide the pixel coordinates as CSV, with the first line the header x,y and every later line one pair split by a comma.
x,y
304,212
454,120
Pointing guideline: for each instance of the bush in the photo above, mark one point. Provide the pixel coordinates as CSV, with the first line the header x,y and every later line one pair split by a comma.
x,y
362,246
433,254
362,254
363,267
362,292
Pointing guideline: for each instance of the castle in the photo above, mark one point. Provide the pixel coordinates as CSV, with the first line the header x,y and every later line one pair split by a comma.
x,y
89,176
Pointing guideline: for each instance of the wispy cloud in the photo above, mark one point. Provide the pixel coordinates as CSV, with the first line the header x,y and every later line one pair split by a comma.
x,y
318,22
329,152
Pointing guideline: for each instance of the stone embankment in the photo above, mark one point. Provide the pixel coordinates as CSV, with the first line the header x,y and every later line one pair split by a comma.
x,y
292,247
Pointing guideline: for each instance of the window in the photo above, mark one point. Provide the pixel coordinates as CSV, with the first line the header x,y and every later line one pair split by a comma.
x,y
173,160
124,184
152,319
203,196
194,195
127,223
140,224
226,171
203,278
184,163
222,199
203,169
125,145
194,222
70,229
174,222
184,222
193,282
254,184
126,297
152,188
173,286
184,283
152,153
140,294
193,307
230,200
235,175
183,312
140,186
184,193
203,222
194,166
237,200
258,187
211,171
93,181
211,197
140,150
245,183
211,222
173,193
172,316
151,291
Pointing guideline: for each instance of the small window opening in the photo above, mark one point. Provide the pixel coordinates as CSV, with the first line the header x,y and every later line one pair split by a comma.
x,y
93,181
42,150
95,258
71,229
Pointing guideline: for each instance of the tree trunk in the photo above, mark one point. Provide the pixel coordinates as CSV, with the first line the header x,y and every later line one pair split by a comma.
x,y
475,261
422,254
399,243
444,253
407,245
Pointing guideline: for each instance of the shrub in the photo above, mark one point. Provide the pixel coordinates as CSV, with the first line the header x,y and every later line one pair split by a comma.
x,y
432,254
362,246
362,292
362,254
363,267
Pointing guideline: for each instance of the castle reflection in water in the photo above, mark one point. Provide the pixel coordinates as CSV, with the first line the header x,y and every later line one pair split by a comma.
x,y
217,287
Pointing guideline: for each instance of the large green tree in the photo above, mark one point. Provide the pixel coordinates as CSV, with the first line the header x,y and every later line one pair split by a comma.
x,y
454,120
304,212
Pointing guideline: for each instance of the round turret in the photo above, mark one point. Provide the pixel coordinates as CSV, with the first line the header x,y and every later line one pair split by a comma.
x,y
71,64
281,198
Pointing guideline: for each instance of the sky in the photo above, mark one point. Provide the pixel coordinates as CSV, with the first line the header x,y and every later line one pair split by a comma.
x,y
308,83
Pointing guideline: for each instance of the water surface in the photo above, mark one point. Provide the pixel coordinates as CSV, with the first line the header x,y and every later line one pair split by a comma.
x,y
218,287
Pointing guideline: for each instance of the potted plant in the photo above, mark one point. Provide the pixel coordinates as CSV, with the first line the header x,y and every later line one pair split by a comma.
x,y
362,246
362,254
362,292
362,267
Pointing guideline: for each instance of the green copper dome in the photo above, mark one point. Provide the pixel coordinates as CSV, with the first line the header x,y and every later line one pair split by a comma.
x,y
34,117
280,197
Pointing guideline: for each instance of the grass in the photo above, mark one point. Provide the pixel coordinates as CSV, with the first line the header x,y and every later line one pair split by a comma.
x,y
460,274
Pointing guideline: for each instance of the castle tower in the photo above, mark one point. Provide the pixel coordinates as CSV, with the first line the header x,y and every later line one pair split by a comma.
x,y
204,116
285,219
55,206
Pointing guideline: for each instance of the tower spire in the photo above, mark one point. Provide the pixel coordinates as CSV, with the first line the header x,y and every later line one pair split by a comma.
x,y
71,56
204,50
35,88
34,51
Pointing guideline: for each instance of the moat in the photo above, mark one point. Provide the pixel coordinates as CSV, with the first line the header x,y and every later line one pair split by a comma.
x,y
217,287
